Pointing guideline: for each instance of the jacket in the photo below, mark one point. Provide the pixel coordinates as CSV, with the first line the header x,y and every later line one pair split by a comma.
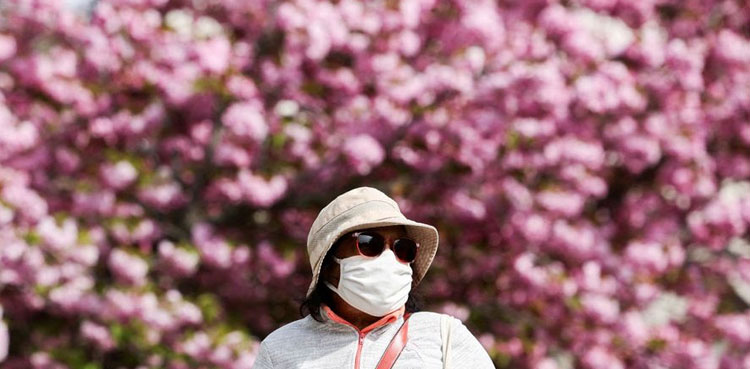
x,y
336,343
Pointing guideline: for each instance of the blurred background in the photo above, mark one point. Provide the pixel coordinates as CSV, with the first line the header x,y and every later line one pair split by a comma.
x,y
587,163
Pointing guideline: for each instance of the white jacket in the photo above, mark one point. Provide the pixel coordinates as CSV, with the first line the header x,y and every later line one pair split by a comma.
x,y
335,343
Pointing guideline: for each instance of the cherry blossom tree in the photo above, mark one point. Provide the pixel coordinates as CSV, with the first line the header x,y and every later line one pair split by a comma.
x,y
586,162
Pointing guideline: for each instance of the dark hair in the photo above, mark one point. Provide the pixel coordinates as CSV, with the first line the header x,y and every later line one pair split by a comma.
x,y
321,294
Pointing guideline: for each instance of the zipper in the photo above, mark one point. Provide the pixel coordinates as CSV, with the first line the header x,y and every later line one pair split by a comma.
x,y
360,333
360,343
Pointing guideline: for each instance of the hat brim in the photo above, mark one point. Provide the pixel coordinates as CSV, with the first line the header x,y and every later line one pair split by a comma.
x,y
426,235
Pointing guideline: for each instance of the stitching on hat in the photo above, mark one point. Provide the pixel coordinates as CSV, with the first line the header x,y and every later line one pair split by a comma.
x,y
366,202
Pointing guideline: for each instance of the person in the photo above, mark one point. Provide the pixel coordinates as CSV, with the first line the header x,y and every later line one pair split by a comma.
x,y
362,313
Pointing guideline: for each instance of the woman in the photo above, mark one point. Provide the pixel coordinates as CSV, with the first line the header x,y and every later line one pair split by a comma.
x,y
366,257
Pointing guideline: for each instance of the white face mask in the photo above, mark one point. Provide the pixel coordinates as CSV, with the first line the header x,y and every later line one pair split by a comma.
x,y
376,286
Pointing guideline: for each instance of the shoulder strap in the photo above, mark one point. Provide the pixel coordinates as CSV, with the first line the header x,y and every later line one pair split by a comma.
x,y
445,333
397,344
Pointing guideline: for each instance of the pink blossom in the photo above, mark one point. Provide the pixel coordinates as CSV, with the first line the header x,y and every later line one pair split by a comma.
x,y
363,152
58,238
119,175
214,54
730,47
246,120
534,227
601,307
649,256
164,196
563,202
735,326
583,162
260,191
599,358
178,260
100,202
128,268
97,334
7,47
634,328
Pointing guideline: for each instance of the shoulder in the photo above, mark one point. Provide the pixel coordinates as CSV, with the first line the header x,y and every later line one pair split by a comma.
x,y
433,318
466,351
437,323
296,330
432,321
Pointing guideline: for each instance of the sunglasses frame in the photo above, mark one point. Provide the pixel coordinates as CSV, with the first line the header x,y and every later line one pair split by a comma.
x,y
385,245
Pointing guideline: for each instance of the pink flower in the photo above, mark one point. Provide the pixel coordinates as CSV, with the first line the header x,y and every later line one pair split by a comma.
x,y
197,346
457,311
7,47
246,120
214,54
178,260
601,307
58,238
97,334
730,47
647,256
188,313
214,250
534,227
556,20
27,202
572,149
567,203
469,206
260,191
598,357
634,328
363,152
94,203
547,363
319,41
119,175
736,327
244,87
128,268
163,196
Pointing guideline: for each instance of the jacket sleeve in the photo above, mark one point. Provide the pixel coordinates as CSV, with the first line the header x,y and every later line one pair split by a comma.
x,y
466,351
263,360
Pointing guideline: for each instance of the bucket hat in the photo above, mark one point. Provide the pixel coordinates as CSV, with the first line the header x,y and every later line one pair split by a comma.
x,y
360,208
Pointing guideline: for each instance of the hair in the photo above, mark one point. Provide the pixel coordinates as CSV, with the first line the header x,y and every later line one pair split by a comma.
x,y
322,294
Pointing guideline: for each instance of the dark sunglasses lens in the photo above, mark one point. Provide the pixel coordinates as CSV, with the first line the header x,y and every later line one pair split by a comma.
x,y
406,249
370,244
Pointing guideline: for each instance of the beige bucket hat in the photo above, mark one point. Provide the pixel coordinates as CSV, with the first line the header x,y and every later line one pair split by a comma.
x,y
360,208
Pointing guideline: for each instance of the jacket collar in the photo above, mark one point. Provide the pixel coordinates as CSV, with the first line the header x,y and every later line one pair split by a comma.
x,y
386,319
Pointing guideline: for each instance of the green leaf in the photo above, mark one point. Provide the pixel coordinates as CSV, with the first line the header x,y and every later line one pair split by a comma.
x,y
209,306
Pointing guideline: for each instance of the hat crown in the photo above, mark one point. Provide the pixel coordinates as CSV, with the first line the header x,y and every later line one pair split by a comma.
x,y
345,202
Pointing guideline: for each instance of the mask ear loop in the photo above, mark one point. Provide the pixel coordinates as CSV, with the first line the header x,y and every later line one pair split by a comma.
x,y
328,284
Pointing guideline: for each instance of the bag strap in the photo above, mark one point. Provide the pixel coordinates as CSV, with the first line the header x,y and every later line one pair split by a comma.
x,y
393,351
445,332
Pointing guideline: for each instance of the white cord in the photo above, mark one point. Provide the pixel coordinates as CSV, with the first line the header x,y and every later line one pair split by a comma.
x,y
445,333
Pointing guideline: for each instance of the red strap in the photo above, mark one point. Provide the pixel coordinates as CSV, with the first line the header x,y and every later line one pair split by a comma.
x,y
397,344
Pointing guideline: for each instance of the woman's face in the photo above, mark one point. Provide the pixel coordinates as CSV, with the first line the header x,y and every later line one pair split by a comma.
x,y
347,247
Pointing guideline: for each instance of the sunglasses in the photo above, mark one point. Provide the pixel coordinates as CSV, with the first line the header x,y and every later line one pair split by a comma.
x,y
372,244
